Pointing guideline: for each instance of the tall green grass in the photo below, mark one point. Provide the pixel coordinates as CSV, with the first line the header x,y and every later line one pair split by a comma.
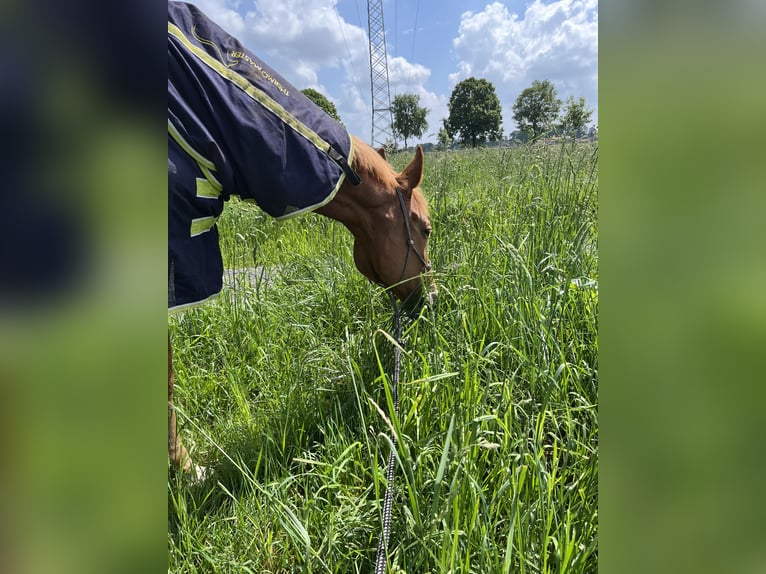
x,y
281,386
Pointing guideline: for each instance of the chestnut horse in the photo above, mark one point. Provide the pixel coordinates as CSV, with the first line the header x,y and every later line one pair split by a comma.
x,y
236,127
388,216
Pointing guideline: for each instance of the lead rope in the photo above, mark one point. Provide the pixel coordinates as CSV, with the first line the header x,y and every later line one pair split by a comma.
x,y
380,561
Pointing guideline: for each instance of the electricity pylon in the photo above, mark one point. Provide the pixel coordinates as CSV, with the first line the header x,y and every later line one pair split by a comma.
x,y
382,119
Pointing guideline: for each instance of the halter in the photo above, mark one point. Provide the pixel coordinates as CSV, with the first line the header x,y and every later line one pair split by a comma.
x,y
410,242
411,303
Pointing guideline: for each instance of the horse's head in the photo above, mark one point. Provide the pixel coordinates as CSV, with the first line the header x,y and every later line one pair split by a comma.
x,y
391,244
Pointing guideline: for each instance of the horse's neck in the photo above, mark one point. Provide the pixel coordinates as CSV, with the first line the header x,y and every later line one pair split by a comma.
x,y
351,205
348,206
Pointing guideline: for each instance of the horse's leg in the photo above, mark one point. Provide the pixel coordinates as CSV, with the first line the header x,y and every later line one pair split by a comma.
x,y
176,451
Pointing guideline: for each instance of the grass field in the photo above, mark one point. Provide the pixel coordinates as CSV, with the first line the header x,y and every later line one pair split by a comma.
x,y
279,380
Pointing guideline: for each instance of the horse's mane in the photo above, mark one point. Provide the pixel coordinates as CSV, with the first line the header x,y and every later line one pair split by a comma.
x,y
368,164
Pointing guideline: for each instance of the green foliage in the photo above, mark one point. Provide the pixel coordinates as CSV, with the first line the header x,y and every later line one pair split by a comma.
x,y
475,114
575,117
537,108
519,136
409,117
320,100
280,378
445,140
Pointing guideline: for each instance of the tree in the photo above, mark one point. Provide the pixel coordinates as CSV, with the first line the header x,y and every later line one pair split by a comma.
x,y
518,136
576,117
536,108
445,140
409,117
320,100
475,115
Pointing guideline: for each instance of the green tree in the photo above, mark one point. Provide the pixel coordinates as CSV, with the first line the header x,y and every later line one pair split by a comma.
x,y
409,117
576,117
475,115
519,136
445,139
536,108
320,100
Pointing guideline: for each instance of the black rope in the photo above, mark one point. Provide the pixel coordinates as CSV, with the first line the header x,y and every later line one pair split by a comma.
x,y
380,561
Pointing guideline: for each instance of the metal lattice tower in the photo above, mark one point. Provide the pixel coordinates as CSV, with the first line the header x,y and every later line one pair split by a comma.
x,y
381,98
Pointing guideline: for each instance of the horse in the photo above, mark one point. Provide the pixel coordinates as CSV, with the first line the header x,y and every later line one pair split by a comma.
x,y
236,127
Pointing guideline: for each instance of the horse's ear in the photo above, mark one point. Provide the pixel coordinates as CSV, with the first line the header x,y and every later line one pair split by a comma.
x,y
413,173
382,153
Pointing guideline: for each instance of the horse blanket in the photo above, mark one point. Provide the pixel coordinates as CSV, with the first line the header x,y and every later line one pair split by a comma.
x,y
236,127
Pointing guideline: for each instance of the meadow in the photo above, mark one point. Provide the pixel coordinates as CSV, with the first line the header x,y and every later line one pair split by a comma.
x,y
283,386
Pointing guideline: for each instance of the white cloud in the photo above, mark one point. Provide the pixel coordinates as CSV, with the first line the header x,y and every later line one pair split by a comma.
x,y
308,30
402,73
556,41
219,12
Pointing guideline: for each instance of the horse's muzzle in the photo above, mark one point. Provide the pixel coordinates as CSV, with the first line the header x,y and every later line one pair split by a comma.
x,y
428,296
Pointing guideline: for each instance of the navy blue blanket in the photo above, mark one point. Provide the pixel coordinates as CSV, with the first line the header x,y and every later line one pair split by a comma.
x,y
235,127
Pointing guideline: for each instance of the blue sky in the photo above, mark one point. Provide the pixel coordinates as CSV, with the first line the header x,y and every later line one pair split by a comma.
x,y
432,45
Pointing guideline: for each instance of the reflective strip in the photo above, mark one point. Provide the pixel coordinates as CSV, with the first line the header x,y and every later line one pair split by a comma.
x,y
185,306
201,225
211,178
251,90
327,199
207,190
206,166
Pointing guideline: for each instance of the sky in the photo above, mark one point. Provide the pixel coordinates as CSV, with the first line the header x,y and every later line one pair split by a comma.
x,y
432,45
